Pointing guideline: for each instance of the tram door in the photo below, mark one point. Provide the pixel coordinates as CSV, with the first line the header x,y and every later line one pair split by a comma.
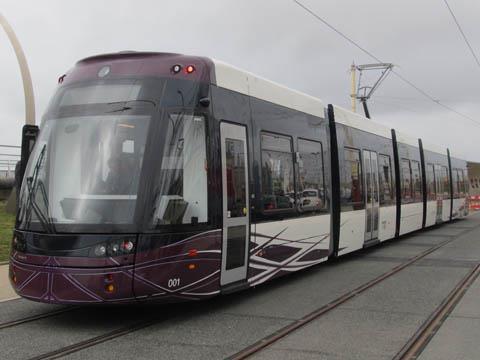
x,y
236,218
439,192
370,166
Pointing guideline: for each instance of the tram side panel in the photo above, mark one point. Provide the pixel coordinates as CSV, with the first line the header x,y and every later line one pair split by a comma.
x,y
436,162
235,149
180,256
367,185
445,180
460,190
291,175
411,189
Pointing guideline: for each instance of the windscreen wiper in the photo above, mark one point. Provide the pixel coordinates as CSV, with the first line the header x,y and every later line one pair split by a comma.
x,y
125,107
32,186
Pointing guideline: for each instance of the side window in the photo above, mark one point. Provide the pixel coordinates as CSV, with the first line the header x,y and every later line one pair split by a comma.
x,y
430,173
385,178
310,176
416,181
278,192
464,184
406,179
439,181
455,184
351,183
446,183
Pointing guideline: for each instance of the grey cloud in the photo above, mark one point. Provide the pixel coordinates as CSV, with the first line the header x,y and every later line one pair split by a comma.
x,y
275,39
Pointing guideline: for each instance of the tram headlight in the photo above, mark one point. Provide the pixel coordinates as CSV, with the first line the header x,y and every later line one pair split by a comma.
x,y
18,243
114,248
100,250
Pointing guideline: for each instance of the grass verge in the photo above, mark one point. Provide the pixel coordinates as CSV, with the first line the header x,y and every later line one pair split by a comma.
x,y
7,222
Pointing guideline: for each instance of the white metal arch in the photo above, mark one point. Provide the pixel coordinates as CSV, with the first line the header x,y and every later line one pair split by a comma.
x,y
26,78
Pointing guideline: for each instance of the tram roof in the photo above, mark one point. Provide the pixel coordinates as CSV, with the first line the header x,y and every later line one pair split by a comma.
x,y
232,78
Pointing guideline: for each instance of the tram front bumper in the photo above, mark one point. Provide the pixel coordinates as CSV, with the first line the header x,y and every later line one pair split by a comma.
x,y
72,285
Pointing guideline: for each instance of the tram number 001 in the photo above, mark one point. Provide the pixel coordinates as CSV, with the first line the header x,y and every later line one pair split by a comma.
x,y
173,282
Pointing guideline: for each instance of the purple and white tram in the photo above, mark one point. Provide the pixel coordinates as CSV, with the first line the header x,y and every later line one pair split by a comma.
x,y
166,177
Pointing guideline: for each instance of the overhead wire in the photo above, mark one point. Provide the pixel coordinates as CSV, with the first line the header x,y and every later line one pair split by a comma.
x,y
396,73
462,33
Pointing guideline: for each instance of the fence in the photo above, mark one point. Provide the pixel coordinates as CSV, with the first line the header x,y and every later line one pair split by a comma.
x,y
9,156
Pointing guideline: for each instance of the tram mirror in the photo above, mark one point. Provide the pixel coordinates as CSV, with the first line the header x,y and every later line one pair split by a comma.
x,y
29,137
205,102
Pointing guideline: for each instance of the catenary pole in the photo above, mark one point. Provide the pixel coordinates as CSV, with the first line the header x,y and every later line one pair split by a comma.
x,y
353,94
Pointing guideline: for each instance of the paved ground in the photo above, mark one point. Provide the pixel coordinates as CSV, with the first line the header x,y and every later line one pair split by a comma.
x,y
373,325
6,291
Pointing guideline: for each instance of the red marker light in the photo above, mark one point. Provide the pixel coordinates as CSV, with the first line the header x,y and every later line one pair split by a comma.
x,y
192,252
127,245
190,69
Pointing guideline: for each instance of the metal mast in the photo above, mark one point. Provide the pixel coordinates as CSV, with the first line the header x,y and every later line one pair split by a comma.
x,y
364,92
353,94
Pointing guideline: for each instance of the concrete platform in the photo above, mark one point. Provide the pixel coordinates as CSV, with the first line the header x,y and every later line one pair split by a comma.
x,y
6,291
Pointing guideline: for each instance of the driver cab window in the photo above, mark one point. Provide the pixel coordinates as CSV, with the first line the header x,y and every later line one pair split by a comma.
x,y
181,192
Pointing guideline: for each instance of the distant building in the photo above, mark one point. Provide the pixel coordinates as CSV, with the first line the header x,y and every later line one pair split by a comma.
x,y
7,174
474,177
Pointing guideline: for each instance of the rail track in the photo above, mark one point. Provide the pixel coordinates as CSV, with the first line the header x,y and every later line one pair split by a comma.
x,y
414,343
417,343
429,328
12,323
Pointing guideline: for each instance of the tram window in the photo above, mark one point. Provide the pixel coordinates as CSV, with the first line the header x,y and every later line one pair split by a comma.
x,y
416,181
236,185
463,183
101,183
181,189
439,181
455,183
430,173
278,191
406,182
98,94
446,183
385,177
311,184
460,183
351,183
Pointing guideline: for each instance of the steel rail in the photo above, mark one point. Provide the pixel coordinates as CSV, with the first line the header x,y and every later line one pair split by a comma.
x,y
288,329
28,319
55,354
417,343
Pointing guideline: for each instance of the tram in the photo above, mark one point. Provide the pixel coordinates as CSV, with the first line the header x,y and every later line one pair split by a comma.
x,y
165,177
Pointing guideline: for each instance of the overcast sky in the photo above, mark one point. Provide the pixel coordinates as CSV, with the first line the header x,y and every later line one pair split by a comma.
x,y
275,39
